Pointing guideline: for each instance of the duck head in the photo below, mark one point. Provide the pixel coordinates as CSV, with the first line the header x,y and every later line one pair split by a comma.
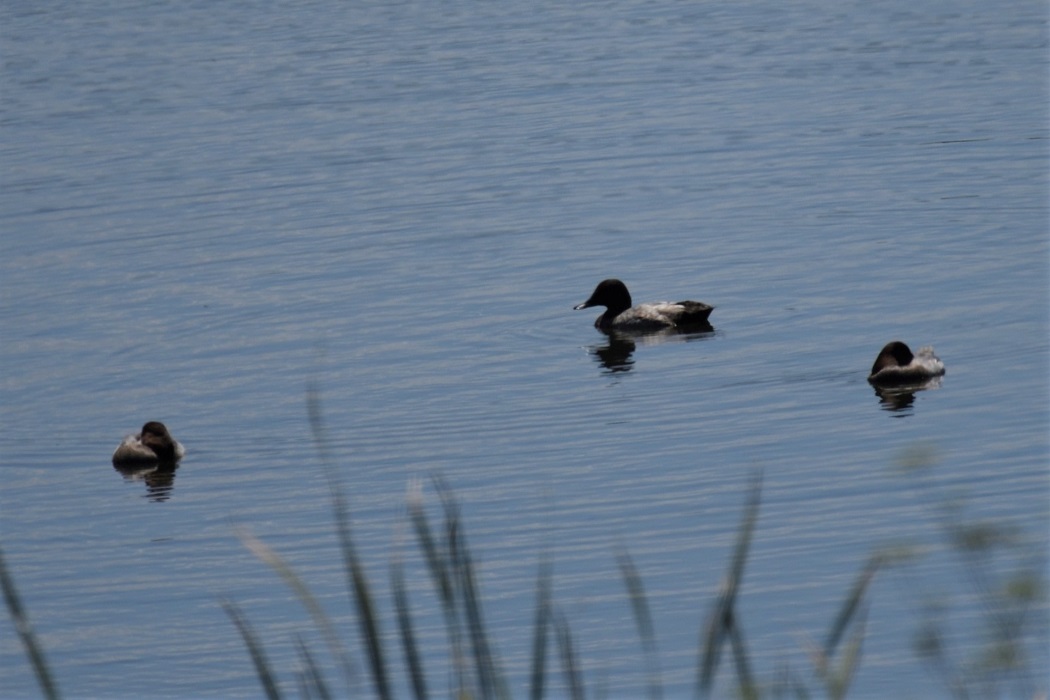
x,y
610,293
895,354
155,436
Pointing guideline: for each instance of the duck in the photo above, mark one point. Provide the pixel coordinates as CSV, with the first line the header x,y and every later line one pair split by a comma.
x,y
621,316
896,365
153,445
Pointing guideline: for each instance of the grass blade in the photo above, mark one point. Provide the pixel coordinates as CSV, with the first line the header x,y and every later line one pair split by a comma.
x,y
840,680
435,560
643,620
721,620
489,675
34,651
539,634
439,567
408,638
745,680
264,552
355,573
358,583
850,605
255,649
573,679
711,644
747,529
313,679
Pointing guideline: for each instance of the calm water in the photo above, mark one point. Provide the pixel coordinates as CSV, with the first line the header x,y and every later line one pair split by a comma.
x,y
208,208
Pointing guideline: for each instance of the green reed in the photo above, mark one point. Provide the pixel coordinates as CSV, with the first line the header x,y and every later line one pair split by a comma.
x,y
35,652
474,669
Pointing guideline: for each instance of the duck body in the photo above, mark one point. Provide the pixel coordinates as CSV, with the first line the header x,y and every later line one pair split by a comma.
x,y
896,365
620,315
154,445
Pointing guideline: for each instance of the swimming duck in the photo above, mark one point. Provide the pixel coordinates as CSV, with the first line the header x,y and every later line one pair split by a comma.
x,y
896,365
153,444
620,315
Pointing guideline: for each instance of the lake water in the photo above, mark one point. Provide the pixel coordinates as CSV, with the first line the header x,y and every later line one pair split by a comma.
x,y
209,208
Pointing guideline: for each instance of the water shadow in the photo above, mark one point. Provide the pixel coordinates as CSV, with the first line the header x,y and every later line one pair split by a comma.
x,y
159,478
616,354
899,398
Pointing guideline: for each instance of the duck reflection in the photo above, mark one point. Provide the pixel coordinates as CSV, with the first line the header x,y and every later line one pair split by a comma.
x,y
899,399
616,354
158,478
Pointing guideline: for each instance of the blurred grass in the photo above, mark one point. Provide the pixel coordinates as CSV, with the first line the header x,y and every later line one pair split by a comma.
x,y
1006,578
48,685
642,619
267,679
1010,599
475,670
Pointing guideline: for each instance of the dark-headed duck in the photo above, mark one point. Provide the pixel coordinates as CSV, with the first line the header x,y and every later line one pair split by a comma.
x,y
153,444
896,365
620,315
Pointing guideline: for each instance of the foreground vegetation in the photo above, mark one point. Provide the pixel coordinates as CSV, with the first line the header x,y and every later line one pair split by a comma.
x,y
476,672
1012,602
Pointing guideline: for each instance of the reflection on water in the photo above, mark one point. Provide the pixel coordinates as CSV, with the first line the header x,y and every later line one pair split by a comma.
x,y
616,354
159,478
898,399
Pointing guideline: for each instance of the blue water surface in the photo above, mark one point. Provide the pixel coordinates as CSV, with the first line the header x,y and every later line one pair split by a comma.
x,y
210,211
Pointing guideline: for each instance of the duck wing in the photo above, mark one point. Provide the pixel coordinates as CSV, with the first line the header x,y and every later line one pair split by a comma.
x,y
693,312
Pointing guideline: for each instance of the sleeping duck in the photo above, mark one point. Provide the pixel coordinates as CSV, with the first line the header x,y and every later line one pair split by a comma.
x,y
153,445
897,366
621,316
